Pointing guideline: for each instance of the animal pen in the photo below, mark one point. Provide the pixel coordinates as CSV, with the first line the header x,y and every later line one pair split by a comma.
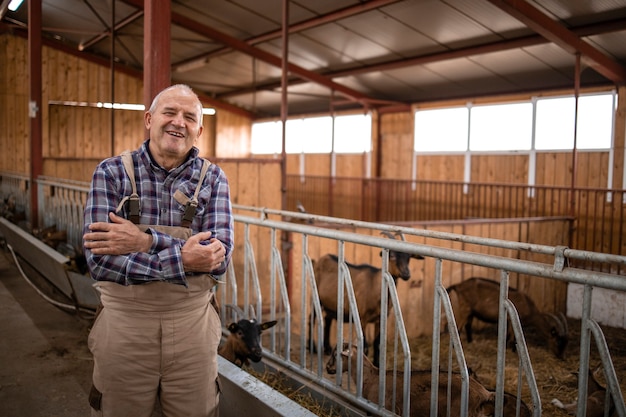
x,y
272,271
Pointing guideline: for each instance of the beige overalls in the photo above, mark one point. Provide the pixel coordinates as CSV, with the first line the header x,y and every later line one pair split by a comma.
x,y
156,341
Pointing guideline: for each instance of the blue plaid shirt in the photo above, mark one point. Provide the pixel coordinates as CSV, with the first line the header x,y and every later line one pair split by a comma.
x,y
156,187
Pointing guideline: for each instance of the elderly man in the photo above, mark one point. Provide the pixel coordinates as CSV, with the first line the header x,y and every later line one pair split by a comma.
x,y
158,231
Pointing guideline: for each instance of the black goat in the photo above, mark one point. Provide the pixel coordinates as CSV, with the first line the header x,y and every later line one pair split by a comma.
x,y
243,344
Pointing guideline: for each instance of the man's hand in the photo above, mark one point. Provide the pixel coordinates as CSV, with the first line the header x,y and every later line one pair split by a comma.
x,y
202,258
117,238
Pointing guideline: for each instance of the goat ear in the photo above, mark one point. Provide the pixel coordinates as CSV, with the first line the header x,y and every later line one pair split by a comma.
x,y
268,324
233,327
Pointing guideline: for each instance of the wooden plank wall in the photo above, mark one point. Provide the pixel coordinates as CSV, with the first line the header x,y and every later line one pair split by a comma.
x,y
77,135
14,121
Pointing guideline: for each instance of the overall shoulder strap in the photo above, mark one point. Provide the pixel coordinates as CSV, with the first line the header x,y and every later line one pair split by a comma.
x,y
133,200
192,205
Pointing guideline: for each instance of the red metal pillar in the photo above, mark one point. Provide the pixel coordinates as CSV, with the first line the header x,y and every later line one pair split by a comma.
x,y
156,48
34,104
285,236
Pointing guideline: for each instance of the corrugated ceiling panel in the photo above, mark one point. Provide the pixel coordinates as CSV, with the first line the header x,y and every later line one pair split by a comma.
x,y
440,22
396,37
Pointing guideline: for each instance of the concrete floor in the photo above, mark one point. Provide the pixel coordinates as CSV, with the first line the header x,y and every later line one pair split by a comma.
x,y
45,365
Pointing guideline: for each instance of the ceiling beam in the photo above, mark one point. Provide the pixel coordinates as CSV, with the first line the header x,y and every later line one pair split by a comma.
x,y
119,25
565,38
516,43
298,27
264,56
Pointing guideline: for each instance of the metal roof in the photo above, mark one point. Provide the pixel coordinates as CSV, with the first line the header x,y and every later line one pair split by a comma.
x,y
357,54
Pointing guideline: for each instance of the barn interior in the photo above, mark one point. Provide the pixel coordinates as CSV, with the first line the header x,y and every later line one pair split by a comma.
x,y
69,66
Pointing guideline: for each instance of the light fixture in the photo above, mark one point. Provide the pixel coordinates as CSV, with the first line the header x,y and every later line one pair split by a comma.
x,y
15,4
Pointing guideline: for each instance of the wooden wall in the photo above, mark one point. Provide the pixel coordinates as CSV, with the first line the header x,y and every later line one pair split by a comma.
x,y
76,134
76,138
14,137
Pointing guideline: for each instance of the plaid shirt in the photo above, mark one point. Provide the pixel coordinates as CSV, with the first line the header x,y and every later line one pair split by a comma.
x,y
156,188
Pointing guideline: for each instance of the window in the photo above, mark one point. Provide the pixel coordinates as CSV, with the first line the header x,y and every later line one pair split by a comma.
x,y
503,127
555,122
309,135
441,130
353,134
509,127
266,138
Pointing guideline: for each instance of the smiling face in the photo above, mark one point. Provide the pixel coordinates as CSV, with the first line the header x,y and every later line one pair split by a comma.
x,y
175,123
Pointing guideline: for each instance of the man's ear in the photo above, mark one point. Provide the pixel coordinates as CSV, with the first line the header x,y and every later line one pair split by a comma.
x,y
147,119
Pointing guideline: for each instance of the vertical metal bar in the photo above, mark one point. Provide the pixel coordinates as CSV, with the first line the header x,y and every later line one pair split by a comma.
x,y
384,309
585,339
246,266
502,337
436,341
340,307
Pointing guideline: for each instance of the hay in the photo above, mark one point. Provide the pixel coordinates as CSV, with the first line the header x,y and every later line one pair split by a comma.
x,y
555,378
280,383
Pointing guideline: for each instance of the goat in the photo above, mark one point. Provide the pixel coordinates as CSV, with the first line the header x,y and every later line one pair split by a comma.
x,y
243,343
481,401
596,399
366,281
478,297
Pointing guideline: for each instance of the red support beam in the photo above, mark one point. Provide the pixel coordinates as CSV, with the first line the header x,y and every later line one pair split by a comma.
x,y
156,48
34,105
565,38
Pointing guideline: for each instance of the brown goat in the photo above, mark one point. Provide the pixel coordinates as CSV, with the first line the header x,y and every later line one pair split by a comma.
x,y
479,298
596,399
243,344
481,402
366,282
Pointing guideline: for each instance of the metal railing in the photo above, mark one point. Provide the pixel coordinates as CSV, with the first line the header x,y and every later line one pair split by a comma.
x,y
558,270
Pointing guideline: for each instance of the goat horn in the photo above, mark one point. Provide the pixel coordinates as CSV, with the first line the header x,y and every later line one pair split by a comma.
x,y
557,320
563,320
237,310
252,312
401,235
388,234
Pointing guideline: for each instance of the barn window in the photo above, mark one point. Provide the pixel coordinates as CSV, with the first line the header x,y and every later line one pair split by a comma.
x,y
266,138
502,127
441,130
353,134
555,122
509,127
310,135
